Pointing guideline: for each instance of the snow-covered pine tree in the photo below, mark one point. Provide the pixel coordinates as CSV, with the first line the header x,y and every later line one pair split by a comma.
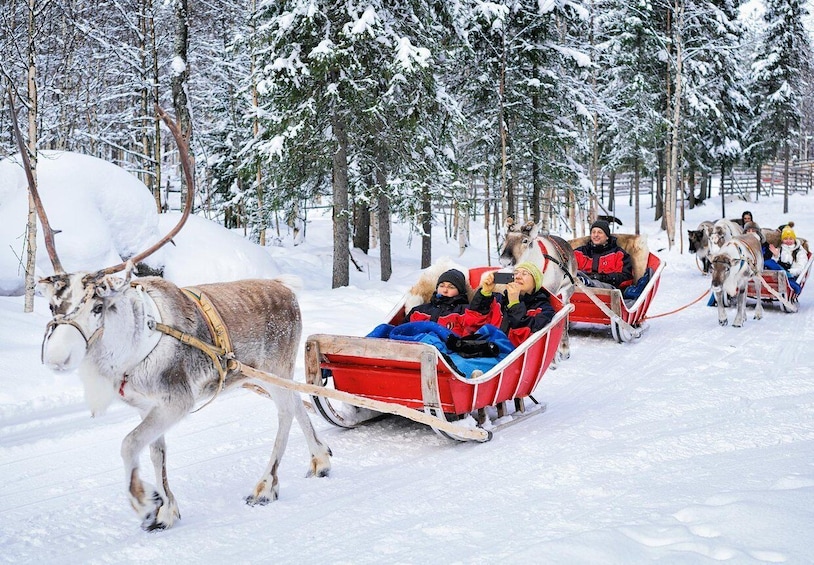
x,y
782,60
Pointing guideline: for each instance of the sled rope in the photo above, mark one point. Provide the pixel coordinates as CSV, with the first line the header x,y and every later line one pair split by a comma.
x,y
635,332
477,434
773,292
678,309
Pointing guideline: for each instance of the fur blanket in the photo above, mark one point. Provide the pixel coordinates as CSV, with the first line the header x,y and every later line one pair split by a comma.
x,y
421,292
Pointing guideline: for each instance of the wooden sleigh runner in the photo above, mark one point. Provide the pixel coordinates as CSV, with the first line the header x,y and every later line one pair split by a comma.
x,y
608,307
371,376
775,287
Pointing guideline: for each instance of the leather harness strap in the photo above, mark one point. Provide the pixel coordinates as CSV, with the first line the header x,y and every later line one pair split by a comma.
x,y
222,352
216,326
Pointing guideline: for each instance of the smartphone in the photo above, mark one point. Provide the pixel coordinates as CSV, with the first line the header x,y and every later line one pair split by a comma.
x,y
503,278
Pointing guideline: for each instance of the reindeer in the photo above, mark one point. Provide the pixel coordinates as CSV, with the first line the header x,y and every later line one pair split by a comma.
x,y
555,257
146,342
739,261
699,240
722,231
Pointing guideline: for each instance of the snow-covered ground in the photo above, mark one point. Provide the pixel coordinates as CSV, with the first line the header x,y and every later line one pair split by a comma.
x,y
693,444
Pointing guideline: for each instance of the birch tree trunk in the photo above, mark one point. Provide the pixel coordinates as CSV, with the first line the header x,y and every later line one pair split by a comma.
x,y
672,186
31,223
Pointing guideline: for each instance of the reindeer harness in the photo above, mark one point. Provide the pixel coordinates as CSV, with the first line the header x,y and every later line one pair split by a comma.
x,y
742,259
554,260
222,352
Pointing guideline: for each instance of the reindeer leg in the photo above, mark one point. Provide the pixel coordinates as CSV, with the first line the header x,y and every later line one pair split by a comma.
x,y
719,298
320,453
759,304
741,313
267,488
168,513
145,499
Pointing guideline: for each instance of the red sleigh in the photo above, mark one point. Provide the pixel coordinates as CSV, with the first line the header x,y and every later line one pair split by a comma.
x,y
365,377
625,317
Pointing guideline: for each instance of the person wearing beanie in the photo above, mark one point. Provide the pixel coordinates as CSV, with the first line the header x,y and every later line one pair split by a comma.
x,y
523,308
791,256
769,250
447,305
455,278
601,262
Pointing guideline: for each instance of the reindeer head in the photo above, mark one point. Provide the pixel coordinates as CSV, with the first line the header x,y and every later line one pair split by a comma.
x,y
697,239
517,242
78,302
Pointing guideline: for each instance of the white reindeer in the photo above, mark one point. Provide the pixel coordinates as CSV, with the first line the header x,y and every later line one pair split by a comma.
x,y
739,261
107,327
722,231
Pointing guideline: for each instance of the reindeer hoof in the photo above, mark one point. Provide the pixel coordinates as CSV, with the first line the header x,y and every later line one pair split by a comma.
x,y
153,526
252,500
723,322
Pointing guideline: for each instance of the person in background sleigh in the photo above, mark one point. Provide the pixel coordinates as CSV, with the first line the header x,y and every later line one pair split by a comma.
x,y
791,256
522,309
601,263
447,305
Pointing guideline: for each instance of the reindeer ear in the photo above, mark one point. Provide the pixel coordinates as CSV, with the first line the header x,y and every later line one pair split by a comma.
x,y
530,229
110,285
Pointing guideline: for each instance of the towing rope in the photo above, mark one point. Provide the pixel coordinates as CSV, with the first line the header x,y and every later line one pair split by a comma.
x,y
678,309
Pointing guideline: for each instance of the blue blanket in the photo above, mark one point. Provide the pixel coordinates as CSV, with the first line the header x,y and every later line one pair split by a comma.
x,y
437,335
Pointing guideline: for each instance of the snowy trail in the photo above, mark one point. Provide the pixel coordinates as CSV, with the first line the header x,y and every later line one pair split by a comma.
x,y
690,445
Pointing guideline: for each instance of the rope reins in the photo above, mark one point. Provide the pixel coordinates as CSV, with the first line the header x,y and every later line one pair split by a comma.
x,y
677,309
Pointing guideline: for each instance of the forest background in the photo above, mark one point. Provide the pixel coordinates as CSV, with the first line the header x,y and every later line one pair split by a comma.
x,y
423,112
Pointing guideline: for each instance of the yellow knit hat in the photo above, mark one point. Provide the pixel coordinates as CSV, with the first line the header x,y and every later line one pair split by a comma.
x,y
788,232
536,274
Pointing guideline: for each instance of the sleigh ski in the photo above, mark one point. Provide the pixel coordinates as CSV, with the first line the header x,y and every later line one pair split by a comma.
x,y
609,306
370,376
775,287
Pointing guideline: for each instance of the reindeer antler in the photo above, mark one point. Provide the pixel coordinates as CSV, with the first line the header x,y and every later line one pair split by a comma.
x,y
186,164
47,232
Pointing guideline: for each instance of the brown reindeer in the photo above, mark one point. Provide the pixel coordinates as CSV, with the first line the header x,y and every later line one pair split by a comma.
x,y
163,350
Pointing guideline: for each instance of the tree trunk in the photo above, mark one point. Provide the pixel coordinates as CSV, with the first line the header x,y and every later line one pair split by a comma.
x,y
636,183
486,216
611,190
786,158
341,262
148,58
256,128
758,171
361,226
659,188
31,223
721,190
671,194
383,217
179,76
692,200
426,228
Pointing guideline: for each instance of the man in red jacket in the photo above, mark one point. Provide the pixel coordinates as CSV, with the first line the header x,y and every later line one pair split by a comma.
x,y
601,262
